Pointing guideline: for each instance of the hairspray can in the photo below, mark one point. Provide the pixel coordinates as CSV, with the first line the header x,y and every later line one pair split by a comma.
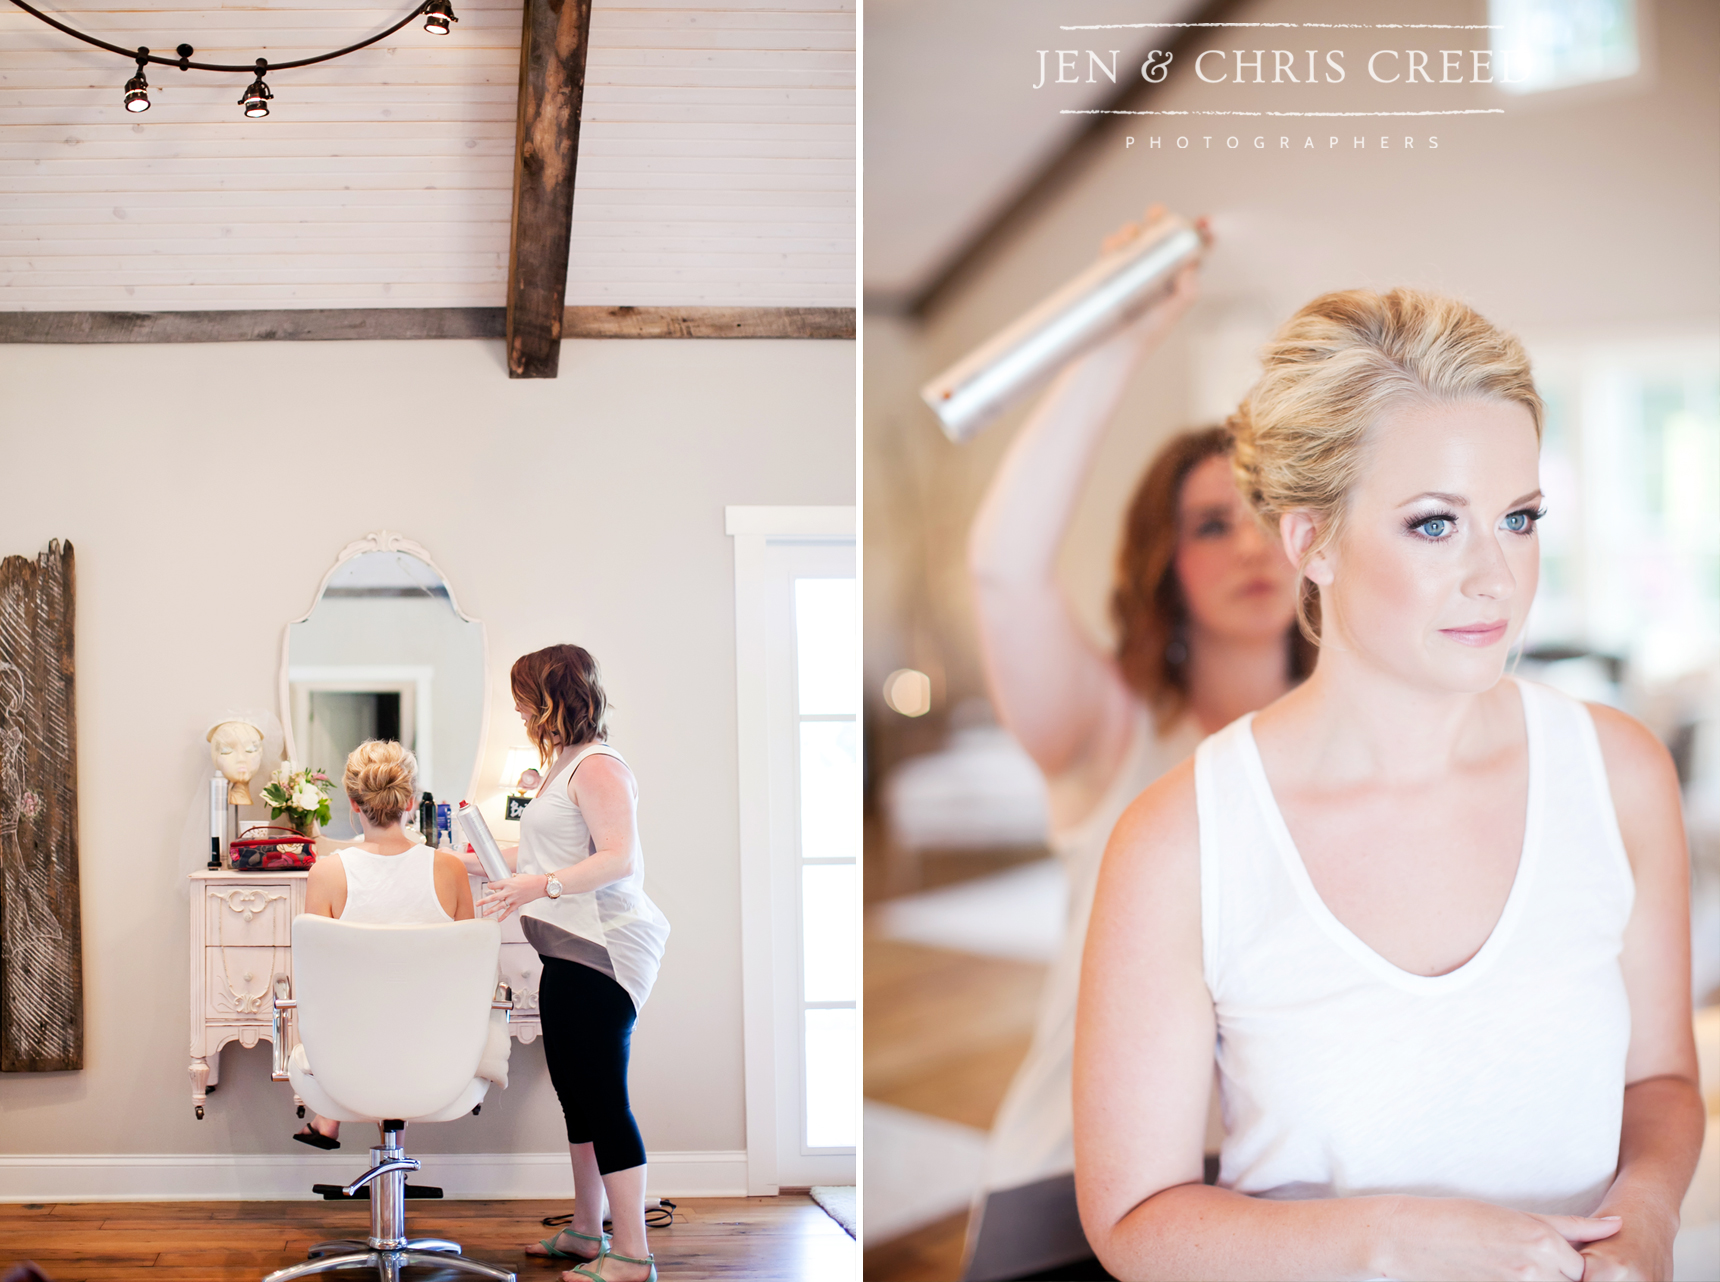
x,y
217,818
483,844
1079,316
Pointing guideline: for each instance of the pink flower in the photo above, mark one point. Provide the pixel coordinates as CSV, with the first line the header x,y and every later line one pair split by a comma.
x,y
30,804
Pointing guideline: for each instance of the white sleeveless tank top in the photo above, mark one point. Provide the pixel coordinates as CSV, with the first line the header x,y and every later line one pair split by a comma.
x,y
1343,1075
616,928
391,890
1033,1135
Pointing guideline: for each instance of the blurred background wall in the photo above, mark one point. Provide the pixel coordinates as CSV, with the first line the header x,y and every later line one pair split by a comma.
x,y
1580,217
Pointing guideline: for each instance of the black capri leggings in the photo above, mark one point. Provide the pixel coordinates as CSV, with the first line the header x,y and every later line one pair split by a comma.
x,y
587,1025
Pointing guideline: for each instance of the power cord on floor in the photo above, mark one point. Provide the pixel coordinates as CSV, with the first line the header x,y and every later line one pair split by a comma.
x,y
660,1216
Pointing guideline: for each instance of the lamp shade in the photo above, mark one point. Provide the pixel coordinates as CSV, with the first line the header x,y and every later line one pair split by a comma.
x,y
518,761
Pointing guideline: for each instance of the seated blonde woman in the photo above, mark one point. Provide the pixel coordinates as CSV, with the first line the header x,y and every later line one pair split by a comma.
x,y
390,877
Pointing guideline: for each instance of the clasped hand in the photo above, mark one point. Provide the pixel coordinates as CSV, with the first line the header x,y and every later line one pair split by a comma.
x,y
511,895
1457,1238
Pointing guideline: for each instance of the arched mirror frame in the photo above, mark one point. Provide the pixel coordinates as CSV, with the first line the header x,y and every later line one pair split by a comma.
x,y
386,541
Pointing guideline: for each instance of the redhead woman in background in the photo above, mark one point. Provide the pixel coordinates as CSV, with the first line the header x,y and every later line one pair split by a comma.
x,y
1433,919
581,898
1205,613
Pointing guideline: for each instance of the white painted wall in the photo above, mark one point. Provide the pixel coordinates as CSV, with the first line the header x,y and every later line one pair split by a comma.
x,y
207,488
717,159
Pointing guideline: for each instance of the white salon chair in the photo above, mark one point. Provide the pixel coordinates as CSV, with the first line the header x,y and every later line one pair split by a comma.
x,y
394,1026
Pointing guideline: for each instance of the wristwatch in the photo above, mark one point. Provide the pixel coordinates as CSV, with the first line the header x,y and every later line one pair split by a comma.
x,y
552,887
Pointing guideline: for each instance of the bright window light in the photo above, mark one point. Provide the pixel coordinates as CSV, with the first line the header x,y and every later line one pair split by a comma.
x,y
829,790
1553,44
831,1091
825,628
829,903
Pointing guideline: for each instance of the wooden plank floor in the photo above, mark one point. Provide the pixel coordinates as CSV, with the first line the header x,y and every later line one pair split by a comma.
x,y
945,1031
772,1239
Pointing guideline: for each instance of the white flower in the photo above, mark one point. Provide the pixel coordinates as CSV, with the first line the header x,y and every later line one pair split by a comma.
x,y
306,797
284,773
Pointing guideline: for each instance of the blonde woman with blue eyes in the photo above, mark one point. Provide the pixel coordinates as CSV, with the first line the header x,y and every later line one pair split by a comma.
x,y
1431,920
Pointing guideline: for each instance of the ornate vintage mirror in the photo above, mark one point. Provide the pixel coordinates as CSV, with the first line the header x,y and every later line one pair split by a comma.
x,y
385,653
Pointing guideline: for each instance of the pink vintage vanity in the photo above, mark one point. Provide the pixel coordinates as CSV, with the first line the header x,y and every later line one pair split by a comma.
x,y
366,632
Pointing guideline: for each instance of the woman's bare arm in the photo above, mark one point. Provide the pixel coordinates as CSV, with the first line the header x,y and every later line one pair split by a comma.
x,y
1057,692
453,887
1143,1067
1663,1114
604,791
325,888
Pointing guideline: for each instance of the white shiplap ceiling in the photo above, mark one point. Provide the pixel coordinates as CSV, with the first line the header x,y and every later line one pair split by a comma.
x,y
716,164
954,126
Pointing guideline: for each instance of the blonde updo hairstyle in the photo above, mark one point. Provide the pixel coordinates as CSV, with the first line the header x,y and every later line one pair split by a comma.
x,y
1332,372
382,777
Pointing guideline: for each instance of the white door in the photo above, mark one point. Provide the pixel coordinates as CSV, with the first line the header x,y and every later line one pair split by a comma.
x,y
797,633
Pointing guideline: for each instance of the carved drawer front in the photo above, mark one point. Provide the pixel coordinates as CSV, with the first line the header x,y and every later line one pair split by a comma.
x,y
236,982
249,916
521,970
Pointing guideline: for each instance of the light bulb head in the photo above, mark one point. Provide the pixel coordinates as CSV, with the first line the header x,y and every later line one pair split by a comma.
x,y
255,100
438,17
137,92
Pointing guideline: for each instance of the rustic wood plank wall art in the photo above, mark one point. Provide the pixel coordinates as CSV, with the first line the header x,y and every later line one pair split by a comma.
x,y
41,962
552,91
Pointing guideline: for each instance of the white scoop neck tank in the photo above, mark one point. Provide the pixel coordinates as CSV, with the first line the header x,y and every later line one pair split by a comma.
x,y
1342,1074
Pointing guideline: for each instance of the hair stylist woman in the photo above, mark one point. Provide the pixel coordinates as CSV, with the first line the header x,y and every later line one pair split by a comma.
x,y
582,904
1433,921
1204,605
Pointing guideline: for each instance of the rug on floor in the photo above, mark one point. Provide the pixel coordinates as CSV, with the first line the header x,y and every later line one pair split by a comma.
x,y
839,1203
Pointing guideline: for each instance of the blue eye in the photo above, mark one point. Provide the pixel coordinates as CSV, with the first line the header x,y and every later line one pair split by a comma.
x,y
1523,522
1435,527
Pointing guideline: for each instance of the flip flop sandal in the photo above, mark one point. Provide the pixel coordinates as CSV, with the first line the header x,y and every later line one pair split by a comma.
x,y
625,1259
548,1244
316,1139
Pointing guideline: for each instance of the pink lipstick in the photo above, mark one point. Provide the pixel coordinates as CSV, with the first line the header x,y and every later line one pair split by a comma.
x,y
1476,634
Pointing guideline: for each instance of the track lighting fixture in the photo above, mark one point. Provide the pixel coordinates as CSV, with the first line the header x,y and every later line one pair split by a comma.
x,y
255,100
137,88
438,14
438,18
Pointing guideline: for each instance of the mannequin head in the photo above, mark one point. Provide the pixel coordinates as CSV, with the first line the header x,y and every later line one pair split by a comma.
x,y
236,748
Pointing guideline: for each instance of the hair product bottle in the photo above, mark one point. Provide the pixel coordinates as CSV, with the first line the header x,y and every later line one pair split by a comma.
x,y
1089,309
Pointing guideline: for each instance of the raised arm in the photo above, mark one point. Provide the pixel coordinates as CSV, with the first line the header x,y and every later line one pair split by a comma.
x,y
1060,695
1143,1067
1663,1119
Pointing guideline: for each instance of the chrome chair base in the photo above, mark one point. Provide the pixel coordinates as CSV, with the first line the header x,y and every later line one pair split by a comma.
x,y
387,1250
388,1265
351,1244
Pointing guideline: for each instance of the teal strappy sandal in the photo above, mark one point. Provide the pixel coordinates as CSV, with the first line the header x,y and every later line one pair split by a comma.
x,y
625,1259
602,1240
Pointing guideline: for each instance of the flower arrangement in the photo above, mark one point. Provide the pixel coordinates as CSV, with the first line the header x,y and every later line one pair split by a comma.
x,y
301,794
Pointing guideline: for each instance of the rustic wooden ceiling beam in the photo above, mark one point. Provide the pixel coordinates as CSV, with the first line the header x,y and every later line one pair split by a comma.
x,y
546,154
336,323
